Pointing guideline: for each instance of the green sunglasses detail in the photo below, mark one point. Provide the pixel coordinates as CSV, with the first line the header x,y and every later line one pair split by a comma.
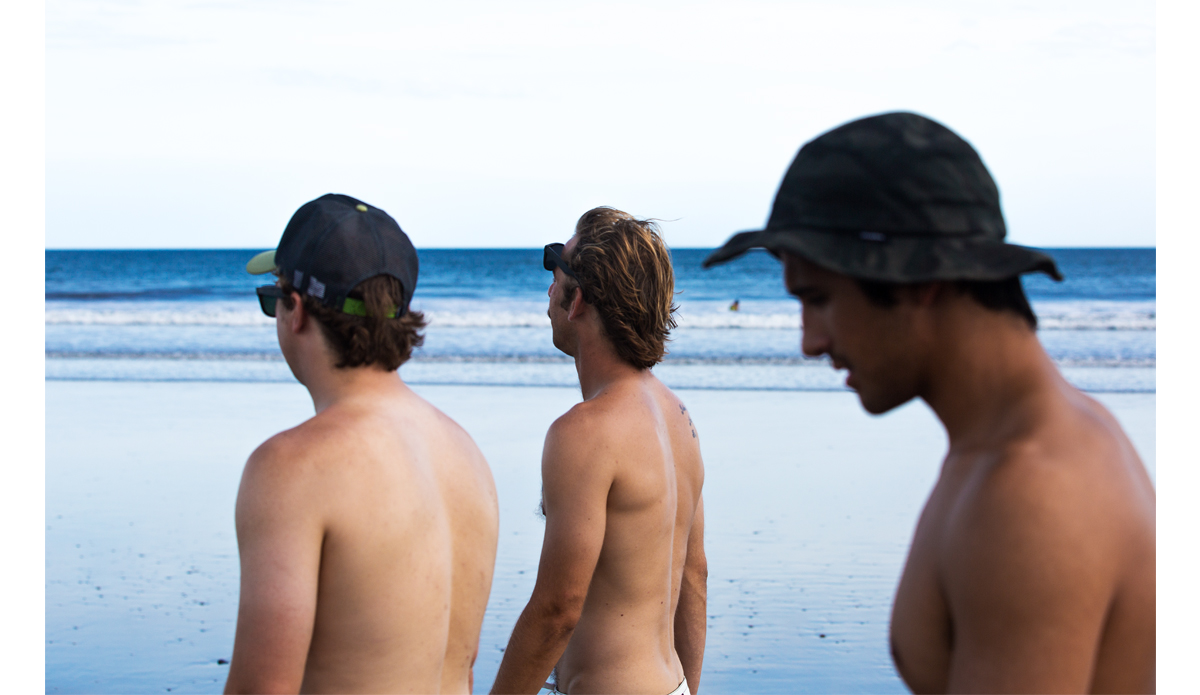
x,y
269,296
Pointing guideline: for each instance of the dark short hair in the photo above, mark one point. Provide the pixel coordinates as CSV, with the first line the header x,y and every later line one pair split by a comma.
x,y
997,295
374,339
625,271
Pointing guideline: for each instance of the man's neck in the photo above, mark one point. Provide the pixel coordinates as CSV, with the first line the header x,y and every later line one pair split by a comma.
x,y
312,361
987,370
598,366
328,385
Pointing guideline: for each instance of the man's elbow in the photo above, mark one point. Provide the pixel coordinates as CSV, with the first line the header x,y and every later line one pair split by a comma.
x,y
560,614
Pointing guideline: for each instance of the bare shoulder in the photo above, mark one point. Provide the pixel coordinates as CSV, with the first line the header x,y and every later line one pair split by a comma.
x,y
1082,456
279,485
354,441
1069,492
285,455
591,435
580,432
610,418
407,424
1045,553
453,432
1073,450
296,453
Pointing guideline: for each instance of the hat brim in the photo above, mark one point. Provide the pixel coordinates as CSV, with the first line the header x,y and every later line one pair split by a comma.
x,y
262,263
894,258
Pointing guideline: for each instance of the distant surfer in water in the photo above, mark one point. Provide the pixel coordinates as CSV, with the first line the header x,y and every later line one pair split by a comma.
x,y
736,305
1032,566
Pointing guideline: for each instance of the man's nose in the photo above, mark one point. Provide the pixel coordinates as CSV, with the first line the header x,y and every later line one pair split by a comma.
x,y
814,341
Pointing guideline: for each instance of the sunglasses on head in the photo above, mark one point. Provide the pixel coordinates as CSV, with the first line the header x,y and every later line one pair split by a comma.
x,y
268,295
552,256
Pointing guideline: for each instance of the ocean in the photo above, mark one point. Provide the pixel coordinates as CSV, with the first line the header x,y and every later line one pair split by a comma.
x,y
192,315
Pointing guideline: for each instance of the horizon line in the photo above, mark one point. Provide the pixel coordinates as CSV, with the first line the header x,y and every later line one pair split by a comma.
x,y
486,248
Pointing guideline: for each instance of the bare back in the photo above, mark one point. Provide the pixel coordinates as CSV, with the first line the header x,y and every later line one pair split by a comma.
x,y
1033,564
641,435
384,512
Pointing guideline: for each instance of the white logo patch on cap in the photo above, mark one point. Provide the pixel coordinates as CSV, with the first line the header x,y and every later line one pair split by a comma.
x,y
316,288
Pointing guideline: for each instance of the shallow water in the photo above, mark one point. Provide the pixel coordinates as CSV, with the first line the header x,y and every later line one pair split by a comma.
x,y
809,507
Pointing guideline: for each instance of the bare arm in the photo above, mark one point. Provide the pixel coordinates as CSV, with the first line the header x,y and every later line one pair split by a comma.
x,y
279,541
575,495
1028,577
690,613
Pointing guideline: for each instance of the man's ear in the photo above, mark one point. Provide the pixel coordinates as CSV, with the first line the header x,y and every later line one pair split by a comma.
x,y
299,318
577,304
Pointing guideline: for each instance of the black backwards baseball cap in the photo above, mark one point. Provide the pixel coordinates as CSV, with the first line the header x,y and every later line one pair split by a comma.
x,y
334,243
896,198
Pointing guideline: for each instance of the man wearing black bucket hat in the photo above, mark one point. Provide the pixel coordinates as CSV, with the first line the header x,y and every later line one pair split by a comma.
x,y
367,534
1032,568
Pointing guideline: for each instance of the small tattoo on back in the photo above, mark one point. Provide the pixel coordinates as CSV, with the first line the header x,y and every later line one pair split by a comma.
x,y
683,411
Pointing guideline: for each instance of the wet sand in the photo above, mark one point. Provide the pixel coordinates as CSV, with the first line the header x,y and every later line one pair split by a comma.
x,y
810,504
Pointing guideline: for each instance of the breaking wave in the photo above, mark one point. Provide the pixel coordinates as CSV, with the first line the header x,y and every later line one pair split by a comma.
x,y
1052,316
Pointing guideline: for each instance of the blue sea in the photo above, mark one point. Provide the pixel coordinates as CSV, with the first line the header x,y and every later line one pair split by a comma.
x,y
192,315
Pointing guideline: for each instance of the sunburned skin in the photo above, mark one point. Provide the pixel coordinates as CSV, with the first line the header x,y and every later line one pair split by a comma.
x,y
367,537
1032,568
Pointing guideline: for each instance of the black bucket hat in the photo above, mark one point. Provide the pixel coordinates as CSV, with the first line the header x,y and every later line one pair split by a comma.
x,y
893,198
334,243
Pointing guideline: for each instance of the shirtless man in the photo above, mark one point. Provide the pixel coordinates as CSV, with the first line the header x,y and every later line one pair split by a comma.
x,y
1032,568
619,603
367,533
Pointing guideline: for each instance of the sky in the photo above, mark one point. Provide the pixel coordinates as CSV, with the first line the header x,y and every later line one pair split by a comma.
x,y
476,124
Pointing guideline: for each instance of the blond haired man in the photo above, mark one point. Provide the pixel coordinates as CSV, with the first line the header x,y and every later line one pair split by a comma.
x,y
619,602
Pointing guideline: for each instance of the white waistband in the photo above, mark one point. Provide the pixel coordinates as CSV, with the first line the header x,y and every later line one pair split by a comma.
x,y
681,690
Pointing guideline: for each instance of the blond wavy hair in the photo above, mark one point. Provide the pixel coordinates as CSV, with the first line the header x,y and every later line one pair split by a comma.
x,y
625,271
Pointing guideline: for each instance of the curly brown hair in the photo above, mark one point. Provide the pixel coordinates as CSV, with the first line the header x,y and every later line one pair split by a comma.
x,y
625,271
374,339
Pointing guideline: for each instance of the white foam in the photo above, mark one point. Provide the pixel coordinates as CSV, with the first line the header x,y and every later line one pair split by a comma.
x,y
737,319
193,315
1052,315
487,319
1095,315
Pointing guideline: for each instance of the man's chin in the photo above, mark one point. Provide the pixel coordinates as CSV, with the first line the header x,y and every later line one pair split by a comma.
x,y
558,344
878,404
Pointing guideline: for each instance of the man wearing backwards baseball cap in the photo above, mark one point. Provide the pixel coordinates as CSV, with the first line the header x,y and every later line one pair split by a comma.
x,y
367,533
1032,566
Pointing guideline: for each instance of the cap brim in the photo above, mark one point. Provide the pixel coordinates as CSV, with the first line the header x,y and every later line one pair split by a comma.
x,y
262,263
737,245
897,259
